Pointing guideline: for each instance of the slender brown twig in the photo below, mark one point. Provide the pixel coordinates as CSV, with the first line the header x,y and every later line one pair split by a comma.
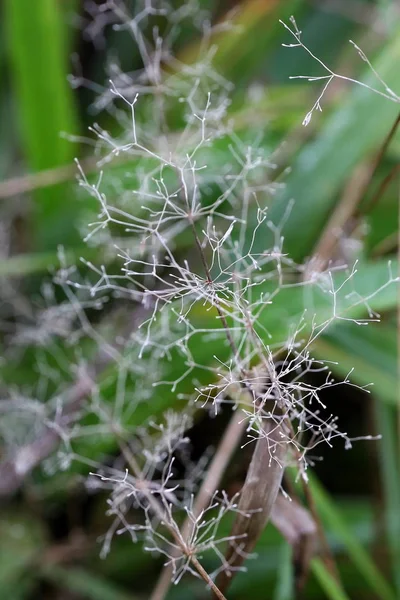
x,y
382,187
340,218
379,156
42,179
350,204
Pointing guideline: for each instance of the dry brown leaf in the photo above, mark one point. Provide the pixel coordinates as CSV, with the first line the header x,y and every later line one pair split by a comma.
x,y
257,498
298,527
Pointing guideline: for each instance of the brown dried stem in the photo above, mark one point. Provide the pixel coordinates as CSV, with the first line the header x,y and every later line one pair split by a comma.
x,y
42,179
349,205
381,153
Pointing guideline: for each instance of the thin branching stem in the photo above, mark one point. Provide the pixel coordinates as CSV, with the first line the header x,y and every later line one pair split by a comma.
x,y
161,514
211,481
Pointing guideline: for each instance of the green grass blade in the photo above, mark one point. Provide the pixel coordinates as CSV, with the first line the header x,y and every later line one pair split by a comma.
x,y
39,68
386,418
332,516
42,262
37,49
86,585
284,586
332,589
352,133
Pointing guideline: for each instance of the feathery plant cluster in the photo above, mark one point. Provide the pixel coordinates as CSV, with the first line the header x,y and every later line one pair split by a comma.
x,y
199,317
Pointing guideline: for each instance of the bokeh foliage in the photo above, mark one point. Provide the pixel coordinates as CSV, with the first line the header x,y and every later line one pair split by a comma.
x,y
51,516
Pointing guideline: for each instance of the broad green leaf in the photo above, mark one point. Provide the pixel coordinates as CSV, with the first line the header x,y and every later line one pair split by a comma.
x,y
369,350
278,318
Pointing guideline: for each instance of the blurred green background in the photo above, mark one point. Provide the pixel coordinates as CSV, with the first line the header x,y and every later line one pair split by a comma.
x,y
49,529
